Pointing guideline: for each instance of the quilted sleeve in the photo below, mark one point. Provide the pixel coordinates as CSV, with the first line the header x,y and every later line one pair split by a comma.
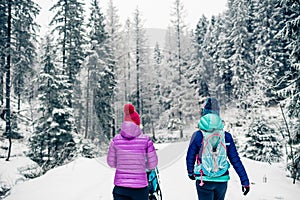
x,y
152,159
111,156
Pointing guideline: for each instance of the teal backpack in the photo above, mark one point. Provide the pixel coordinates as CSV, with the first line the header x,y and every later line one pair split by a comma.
x,y
212,158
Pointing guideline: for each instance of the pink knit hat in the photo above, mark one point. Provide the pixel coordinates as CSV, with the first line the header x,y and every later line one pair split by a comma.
x,y
130,114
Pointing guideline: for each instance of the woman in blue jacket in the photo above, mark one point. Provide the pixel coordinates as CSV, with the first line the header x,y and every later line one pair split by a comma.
x,y
214,188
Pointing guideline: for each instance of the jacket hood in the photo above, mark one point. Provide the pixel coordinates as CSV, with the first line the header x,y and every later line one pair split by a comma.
x,y
210,122
130,130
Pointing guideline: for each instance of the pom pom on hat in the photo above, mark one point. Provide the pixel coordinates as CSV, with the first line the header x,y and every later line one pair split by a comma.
x,y
128,109
130,114
211,106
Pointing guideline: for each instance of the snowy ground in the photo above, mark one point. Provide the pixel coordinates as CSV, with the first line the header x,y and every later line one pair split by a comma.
x,y
91,179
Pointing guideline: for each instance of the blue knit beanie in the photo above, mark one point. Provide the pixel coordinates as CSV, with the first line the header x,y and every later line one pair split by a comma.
x,y
211,106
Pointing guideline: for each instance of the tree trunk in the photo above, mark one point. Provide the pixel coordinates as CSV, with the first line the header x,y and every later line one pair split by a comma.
x,y
7,119
127,96
138,106
1,79
87,105
153,131
114,131
294,166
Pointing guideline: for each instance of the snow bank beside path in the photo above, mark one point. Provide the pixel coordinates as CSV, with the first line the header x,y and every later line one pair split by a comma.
x,y
91,179
79,180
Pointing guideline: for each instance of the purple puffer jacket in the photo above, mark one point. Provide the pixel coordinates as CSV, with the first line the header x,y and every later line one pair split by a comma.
x,y
131,153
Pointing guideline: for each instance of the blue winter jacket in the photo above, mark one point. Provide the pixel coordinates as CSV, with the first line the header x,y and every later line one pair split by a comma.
x,y
232,154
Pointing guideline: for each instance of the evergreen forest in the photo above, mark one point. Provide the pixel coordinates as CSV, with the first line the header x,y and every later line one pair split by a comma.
x,y
63,93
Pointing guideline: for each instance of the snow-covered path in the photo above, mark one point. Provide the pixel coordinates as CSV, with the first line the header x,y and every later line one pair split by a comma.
x,y
171,154
91,179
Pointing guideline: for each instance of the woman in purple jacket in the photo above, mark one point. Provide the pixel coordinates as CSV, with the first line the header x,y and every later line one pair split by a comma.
x,y
131,153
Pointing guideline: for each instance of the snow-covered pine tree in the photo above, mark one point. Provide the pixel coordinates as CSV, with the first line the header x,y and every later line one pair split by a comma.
x,y
270,51
196,71
140,52
165,76
263,135
258,100
103,73
17,36
113,29
149,80
262,141
23,39
227,52
114,39
152,87
96,36
52,143
241,60
68,26
125,62
124,69
104,93
170,117
200,33
212,58
157,87
91,78
237,60
178,61
291,79
96,28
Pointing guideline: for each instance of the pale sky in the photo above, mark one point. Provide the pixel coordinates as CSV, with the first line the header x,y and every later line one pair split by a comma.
x,y
155,13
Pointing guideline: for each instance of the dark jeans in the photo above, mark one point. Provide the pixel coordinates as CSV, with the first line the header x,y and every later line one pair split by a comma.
x,y
211,190
123,193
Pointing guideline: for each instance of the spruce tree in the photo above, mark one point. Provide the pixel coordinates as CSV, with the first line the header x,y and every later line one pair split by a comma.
x,y
104,95
96,36
91,120
128,61
263,142
124,73
24,38
270,51
157,79
197,76
178,53
151,79
114,52
113,29
68,25
97,32
52,143
139,49
226,52
241,60
291,83
263,137
212,58
103,74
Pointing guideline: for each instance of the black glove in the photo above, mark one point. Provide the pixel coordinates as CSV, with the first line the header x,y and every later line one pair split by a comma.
x,y
245,189
191,176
